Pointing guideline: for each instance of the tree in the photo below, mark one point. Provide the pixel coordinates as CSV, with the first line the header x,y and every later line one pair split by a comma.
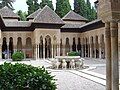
x,y
76,6
93,13
7,3
89,13
46,2
22,15
62,7
84,9
32,6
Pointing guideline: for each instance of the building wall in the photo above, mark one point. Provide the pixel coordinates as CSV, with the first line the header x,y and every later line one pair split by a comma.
x,y
87,45
15,35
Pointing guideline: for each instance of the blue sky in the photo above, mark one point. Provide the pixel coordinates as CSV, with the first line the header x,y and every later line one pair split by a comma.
x,y
21,4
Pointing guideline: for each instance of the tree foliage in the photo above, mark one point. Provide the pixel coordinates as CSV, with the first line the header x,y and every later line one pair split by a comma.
x,y
62,7
46,2
33,5
22,15
7,3
84,9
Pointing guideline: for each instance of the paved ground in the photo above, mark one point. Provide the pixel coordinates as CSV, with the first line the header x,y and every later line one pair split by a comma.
x,y
72,79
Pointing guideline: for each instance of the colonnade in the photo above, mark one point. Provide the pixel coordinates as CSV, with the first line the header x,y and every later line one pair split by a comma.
x,y
10,45
46,48
92,47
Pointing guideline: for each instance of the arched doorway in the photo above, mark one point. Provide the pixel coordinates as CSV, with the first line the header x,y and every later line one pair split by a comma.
x,y
19,44
10,47
79,46
61,47
28,48
67,46
86,47
96,47
74,45
4,48
54,46
102,47
48,53
92,52
41,47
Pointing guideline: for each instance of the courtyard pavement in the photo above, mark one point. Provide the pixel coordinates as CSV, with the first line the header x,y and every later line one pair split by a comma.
x,y
92,78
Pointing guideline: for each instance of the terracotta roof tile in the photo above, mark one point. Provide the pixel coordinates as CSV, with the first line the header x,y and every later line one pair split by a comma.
x,y
47,15
74,16
17,23
79,25
34,14
5,12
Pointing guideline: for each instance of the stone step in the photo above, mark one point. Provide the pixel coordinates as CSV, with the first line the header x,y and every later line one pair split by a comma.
x,y
90,77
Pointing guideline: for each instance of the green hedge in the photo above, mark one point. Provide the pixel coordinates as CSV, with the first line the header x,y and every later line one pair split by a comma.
x,y
18,56
73,53
25,77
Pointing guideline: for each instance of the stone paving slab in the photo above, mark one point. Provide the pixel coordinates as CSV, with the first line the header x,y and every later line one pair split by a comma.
x,y
69,81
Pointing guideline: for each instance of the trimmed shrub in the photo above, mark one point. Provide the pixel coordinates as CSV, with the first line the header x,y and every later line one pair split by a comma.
x,y
73,53
18,56
25,77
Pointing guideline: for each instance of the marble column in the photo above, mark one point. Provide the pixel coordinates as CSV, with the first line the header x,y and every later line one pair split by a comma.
x,y
38,51
100,50
0,51
52,50
91,50
108,56
43,48
85,50
8,54
95,50
58,50
63,49
114,55
82,50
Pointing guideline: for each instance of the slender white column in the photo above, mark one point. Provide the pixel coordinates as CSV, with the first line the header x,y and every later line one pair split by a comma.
x,y
43,48
38,51
52,50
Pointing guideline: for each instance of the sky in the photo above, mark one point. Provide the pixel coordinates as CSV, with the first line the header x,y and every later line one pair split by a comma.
x,y
21,4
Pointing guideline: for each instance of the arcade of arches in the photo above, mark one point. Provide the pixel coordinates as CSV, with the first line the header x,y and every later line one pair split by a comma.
x,y
48,46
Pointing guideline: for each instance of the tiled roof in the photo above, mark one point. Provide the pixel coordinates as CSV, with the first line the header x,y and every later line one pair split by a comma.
x,y
74,16
34,14
17,23
71,26
79,25
47,15
5,12
92,22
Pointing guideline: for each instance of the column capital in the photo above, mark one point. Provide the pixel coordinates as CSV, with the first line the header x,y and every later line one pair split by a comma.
x,y
107,29
114,29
